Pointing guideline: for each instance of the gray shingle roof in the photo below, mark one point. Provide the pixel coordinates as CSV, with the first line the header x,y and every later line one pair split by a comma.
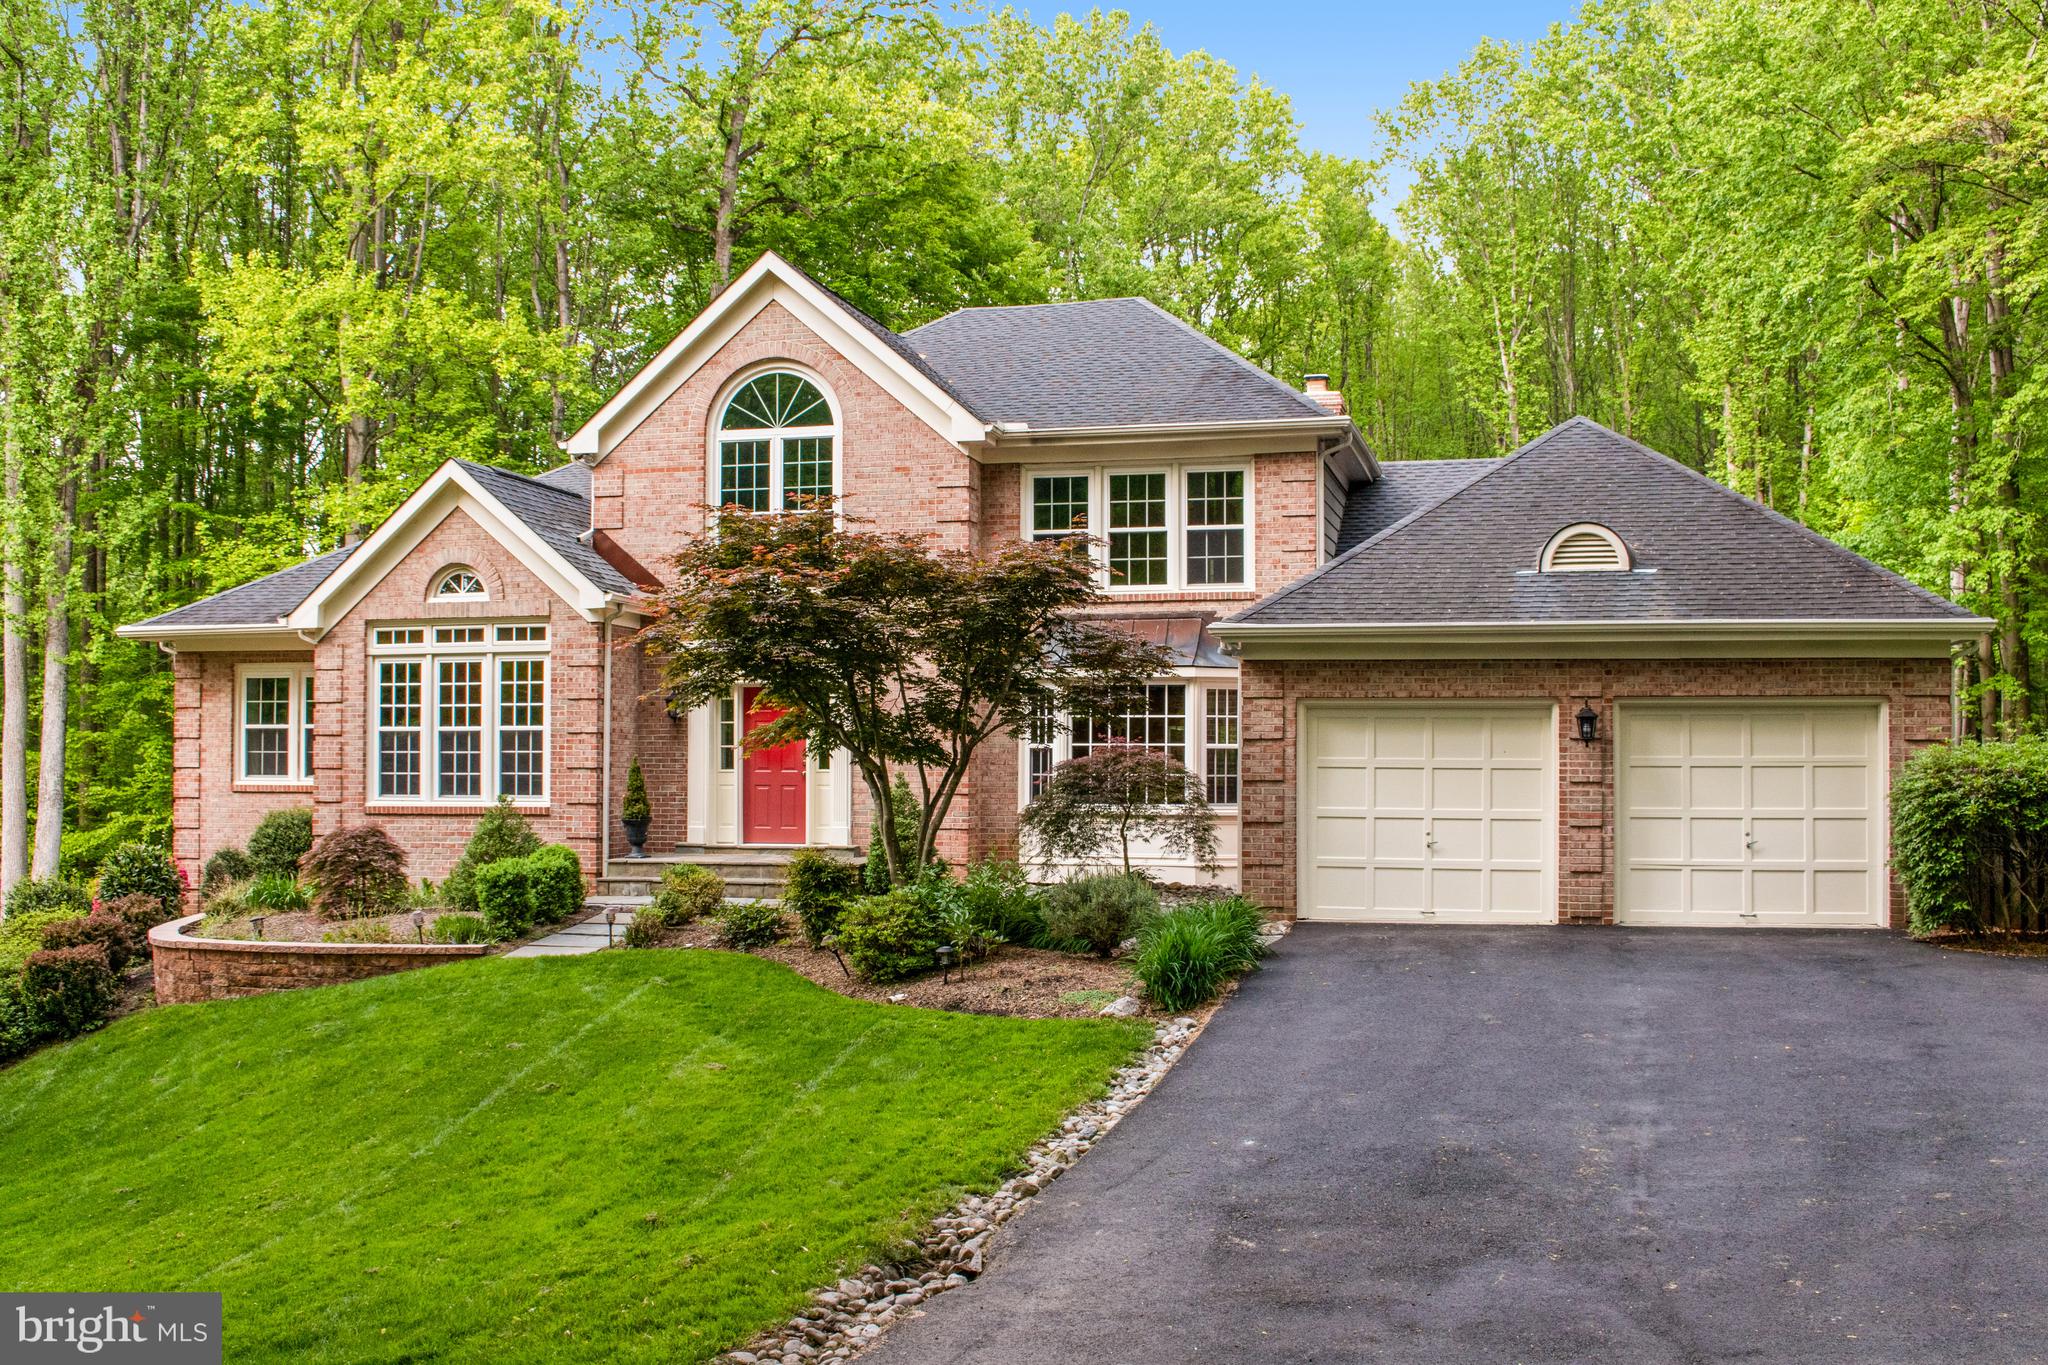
x,y
1700,551
1109,362
260,602
555,506
554,514
1403,488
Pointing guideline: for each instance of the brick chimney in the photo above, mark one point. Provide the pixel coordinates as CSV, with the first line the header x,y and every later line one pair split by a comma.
x,y
1317,388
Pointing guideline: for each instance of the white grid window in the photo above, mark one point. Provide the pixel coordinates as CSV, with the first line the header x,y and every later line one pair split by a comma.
x,y
267,725
777,439
399,727
728,734
1179,528
274,723
462,720
1155,717
1219,745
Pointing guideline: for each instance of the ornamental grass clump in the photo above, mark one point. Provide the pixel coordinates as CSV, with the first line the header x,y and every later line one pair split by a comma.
x,y
1186,956
1970,837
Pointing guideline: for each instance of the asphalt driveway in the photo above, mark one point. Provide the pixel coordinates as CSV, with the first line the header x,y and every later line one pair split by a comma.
x,y
1557,1145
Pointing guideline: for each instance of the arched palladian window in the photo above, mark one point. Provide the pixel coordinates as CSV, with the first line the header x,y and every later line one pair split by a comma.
x,y
775,443
459,582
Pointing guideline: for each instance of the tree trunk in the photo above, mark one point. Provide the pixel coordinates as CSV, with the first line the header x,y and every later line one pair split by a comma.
x,y
49,841
13,697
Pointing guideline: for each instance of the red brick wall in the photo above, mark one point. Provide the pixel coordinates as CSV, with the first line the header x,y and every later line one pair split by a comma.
x,y
210,809
1916,690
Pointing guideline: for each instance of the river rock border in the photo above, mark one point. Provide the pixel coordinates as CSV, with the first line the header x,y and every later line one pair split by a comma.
x,y
845,1319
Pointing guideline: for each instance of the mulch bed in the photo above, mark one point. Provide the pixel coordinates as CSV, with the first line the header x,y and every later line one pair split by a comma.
x,y
303,926
1028,982
1997,945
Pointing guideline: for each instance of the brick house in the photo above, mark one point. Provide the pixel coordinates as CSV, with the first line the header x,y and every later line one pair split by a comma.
x,y
1579,682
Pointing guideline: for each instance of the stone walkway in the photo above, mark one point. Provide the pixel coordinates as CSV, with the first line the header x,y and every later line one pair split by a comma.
x,y
585,936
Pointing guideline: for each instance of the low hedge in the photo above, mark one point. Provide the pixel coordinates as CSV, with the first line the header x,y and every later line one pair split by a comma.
x,y
749,924
1970,837
515,894
893,935
121,939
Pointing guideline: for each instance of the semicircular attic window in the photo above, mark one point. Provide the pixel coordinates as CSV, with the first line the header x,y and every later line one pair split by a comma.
x,y
457,584
1585,548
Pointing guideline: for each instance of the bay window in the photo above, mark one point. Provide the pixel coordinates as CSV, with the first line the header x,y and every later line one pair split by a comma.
x,y
1154,717
274,723
459,713
1173,528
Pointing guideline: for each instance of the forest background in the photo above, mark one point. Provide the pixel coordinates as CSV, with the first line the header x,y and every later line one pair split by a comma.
x,y
263,267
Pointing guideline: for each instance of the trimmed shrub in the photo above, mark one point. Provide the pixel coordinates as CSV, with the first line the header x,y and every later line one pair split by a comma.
x,y
749,924
142,869
1970,837
817,891
356,870
904,810
893,935
502,833
228,864
275,893
123,941
21,935
67,990
281,839
685,892
48,895
635,807
1095,914
998,901
643,932
1185,956
557,883
504,892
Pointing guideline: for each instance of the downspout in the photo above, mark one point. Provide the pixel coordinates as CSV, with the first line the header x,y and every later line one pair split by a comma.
x,y
604,818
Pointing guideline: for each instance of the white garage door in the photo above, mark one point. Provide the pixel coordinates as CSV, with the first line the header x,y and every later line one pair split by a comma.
x,y
1763,815
1438,816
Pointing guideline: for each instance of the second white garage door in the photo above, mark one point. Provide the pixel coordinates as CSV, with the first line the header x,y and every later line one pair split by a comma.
x,y
1436,816
1750,814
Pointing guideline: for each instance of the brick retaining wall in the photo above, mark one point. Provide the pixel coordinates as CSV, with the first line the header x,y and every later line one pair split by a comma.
x,y
193,969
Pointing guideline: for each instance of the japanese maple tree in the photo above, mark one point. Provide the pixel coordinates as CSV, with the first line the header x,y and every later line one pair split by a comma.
x,y
906,655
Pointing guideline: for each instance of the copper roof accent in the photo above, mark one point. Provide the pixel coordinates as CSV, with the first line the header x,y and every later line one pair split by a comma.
x,y
1186,639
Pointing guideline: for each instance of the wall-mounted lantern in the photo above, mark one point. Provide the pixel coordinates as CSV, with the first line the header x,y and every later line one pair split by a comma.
x,y
1589,724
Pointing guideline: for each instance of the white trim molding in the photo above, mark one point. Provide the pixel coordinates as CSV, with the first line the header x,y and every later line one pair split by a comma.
x,y
1732,638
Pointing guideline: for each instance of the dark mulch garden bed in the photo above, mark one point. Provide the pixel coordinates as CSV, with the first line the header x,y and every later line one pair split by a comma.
x,y
1998,945
1025,982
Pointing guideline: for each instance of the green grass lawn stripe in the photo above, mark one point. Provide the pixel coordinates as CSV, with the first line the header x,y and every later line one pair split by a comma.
x,y
629,1156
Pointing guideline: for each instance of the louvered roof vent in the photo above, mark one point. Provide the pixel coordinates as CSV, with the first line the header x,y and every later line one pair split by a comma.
x,y
1585,548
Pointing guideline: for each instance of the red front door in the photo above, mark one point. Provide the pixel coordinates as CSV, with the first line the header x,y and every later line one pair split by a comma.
x,y
772,784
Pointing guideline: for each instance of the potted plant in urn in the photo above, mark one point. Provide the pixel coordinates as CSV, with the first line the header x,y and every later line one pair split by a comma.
x,y
635,814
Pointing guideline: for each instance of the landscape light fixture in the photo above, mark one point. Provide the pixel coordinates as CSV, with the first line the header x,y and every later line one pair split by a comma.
x,y
611,916
419,924
946,953
256,923
1589,724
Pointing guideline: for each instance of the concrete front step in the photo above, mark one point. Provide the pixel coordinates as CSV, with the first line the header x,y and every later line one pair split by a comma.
x,y
748,873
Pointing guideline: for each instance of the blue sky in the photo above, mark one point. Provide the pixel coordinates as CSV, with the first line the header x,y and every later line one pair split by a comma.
x,y
1338,62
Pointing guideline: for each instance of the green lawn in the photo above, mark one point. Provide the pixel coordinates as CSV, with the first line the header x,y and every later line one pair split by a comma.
x,y
632,1155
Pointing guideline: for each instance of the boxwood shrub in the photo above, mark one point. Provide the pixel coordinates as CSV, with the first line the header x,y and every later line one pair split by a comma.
x,y
893,935
543,887
280,839
817,889
749,924
1970,837
502,833
685,892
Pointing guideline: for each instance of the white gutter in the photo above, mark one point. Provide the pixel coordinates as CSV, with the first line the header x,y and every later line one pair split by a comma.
x,y
1018,431
1953,628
